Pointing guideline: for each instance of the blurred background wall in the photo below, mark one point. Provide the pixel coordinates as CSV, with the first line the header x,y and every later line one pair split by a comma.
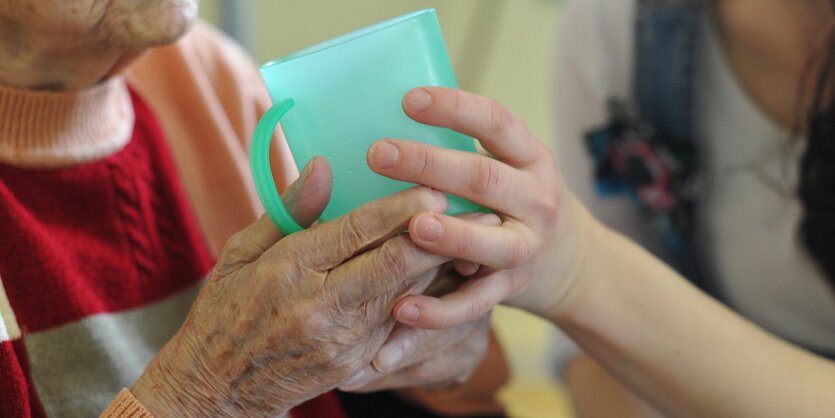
x,y
499,48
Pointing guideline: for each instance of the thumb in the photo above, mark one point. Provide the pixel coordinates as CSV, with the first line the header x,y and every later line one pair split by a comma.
x,y
305,199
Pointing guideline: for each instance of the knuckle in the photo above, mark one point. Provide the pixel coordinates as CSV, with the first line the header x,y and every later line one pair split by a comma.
x,y
473,311
457,103
465,241
502,120
232,253
327,349
346,301
395,260
326,353
343,301
519,252
485,177
352,231
550,203
233,244
424,164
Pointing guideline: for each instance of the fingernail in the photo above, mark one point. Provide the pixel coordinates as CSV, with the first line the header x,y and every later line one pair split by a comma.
x,y
388,357
408,312
428,228
468,268
306,172
417,100
384,154
488,218
442,199
355,382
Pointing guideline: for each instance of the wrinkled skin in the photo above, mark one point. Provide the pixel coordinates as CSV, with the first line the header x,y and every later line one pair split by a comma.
x,y
282,320
73,44
435,359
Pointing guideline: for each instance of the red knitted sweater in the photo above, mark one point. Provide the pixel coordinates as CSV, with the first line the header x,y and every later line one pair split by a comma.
x,y
99,263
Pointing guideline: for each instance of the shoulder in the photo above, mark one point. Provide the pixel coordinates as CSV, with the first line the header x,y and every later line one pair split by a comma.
x,y
204,53
215,51
204,78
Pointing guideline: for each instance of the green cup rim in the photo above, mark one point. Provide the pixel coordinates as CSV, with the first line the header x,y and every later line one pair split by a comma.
x,y
340,40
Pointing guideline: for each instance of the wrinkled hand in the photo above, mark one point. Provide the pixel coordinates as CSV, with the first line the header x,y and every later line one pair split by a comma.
x,y
283,320
433,359
529,260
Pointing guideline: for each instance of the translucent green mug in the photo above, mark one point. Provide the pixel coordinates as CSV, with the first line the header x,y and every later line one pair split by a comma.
x,y
338,97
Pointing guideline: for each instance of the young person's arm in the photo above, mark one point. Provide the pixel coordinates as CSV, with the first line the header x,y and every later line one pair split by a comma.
x,y
682,350
596,393
652,329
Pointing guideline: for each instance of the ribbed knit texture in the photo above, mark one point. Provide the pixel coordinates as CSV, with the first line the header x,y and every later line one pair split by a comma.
x,y
126,406
207,96
16,398
58,129
82,244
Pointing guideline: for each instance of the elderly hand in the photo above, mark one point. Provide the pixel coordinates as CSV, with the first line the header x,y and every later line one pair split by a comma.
x,y
529,260
433,359
281,321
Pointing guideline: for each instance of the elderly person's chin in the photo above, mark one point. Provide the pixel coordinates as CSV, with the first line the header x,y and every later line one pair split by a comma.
x,y
148,23
69,45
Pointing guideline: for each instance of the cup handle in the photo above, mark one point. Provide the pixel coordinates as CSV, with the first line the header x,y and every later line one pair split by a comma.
x,y
259,161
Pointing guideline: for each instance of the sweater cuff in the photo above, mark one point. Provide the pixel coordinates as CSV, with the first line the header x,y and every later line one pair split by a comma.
x,y
125,405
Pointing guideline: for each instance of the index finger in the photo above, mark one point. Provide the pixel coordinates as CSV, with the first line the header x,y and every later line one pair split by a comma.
x,y
500,131
328,245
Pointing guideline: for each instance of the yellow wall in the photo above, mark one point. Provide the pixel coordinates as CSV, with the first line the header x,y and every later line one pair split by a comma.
x,y
499,48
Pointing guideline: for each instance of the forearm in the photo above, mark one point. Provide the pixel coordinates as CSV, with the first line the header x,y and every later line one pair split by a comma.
x,y
658,334
681,349
596,393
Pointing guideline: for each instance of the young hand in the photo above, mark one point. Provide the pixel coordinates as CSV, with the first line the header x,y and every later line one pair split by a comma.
x,y
530,259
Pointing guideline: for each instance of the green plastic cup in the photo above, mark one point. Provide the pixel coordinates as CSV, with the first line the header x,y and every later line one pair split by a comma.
x,y
336,98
